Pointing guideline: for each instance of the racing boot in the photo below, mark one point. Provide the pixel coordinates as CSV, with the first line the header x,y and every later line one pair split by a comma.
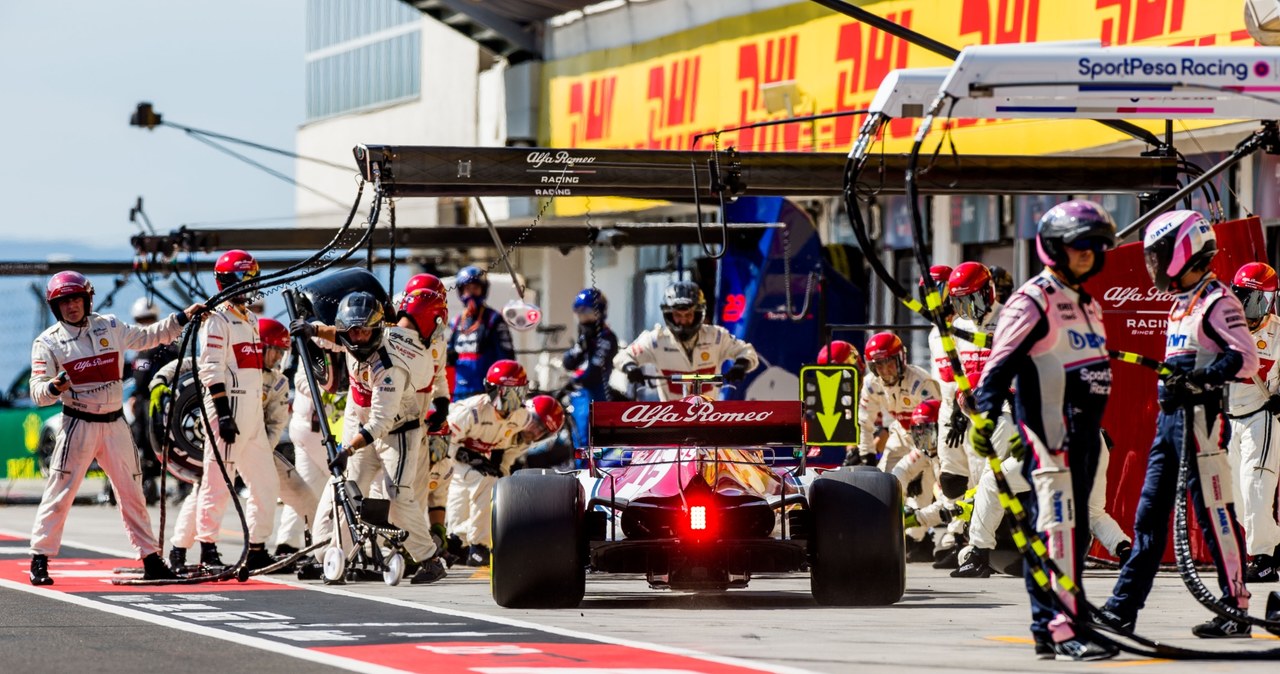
x,y
478,555
455,546
974,563
40,570
429,572
1262,569
154,568
1079,649
209,556
311,570
178,560
1109,616
284,550
919,551
1044,646
1223,628
258,557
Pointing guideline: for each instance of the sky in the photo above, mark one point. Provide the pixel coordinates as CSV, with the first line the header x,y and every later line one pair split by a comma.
x,y
74,70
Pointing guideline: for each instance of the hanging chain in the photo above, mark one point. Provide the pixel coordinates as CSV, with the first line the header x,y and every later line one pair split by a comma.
x,y
786,274
591,246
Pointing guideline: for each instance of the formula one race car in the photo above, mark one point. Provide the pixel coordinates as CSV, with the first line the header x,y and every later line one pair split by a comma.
x,y
699,501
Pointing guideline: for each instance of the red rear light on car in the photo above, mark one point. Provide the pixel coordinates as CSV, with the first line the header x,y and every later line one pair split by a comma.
x,y
698,518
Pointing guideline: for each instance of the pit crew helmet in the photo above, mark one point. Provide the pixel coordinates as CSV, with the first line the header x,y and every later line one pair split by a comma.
x,y
359,310
233,267
428,309
885,347
424,282
68,284
924,426
1255,286
1079,224
468,275
274,336
1177,242
547,413
1002,280
591,301
506,383
682,296
971,291
144,310
840,353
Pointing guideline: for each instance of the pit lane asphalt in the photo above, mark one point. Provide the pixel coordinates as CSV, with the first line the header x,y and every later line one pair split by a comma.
x,y
942,624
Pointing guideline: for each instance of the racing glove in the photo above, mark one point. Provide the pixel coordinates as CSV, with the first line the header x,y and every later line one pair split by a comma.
x,y
227,429
634,373
338,464
301,327
915,487
959,424
980,435
1179,390
159,394
439,414
854,458
737,372
1273,404
1016,449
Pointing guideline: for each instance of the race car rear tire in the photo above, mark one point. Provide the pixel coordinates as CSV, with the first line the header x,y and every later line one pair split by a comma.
x,y
856,550
539,551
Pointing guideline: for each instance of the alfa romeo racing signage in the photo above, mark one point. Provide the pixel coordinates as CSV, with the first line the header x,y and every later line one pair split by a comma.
x,y
699,422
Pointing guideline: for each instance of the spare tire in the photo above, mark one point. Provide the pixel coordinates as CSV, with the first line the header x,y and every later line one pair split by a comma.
x,y
184,432
539,552
856,555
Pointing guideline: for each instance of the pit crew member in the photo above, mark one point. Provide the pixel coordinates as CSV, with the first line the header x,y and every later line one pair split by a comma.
x,y
891,391
478,336
79,362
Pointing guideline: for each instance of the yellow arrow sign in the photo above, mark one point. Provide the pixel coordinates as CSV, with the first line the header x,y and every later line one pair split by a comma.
x,y
828,394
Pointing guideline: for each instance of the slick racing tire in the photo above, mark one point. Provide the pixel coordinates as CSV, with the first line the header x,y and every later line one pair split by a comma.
x,y
856,550
185,432
539,551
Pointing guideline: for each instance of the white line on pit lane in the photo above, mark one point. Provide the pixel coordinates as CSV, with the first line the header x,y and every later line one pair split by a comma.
x,y
310,655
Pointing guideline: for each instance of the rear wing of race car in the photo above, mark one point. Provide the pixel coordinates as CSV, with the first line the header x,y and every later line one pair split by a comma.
x,y
725,423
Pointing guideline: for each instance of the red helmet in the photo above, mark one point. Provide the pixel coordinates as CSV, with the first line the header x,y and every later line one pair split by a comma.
x,y
971,291
884,347
926,412
842,353
273,333
506,383
924,426
546,410
428,309
233,267
1255,284
68,284
424,282
939,273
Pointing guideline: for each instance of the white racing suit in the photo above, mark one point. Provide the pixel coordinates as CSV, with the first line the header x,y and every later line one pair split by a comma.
x,y
296,492
1208,336
703,355
231,356
310,458
479,437
893,405
987,513
1255,434
94,426
384,409
960,461
432,466
1050,340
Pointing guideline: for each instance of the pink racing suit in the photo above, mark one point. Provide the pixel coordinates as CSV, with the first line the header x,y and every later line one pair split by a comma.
x,y
1209,339
1051,343
93,426
231,356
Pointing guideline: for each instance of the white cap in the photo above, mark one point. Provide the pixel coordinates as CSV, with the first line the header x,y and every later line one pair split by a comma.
x,y
144,308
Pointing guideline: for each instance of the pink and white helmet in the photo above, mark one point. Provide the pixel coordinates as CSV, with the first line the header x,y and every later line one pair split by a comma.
x,y
1175,243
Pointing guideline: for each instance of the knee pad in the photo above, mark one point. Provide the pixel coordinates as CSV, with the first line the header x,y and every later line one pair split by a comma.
x,y
1057,510
953,486
1215,478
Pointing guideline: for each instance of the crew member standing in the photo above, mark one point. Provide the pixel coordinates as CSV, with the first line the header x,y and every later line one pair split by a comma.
x,y
79,362
478,336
